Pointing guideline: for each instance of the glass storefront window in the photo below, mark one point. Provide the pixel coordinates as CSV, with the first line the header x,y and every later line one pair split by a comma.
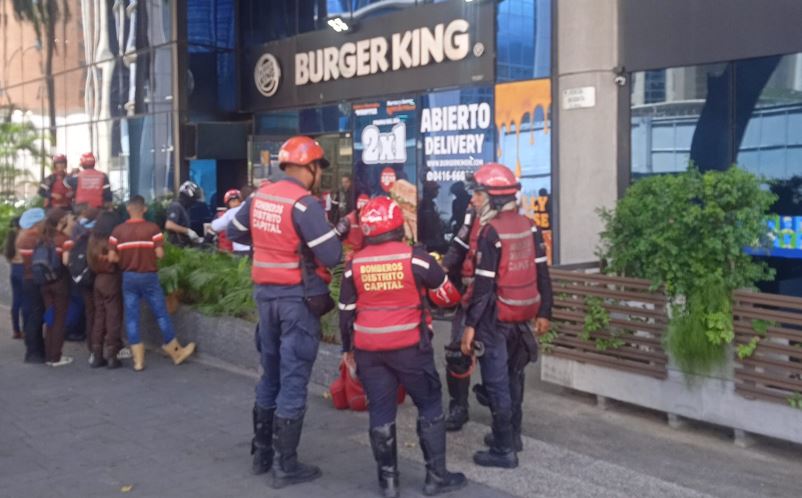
x,y
668,106
746,112
446,154
523,39
211,23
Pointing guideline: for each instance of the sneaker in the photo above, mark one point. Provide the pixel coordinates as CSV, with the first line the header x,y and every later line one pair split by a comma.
x,y
124,354
91,358
17,335
65,360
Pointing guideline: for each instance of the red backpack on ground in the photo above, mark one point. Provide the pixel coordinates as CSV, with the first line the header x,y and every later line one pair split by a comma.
x,y
347,392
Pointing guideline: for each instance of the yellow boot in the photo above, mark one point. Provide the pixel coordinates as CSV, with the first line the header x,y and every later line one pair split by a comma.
x,y
178,353
138,355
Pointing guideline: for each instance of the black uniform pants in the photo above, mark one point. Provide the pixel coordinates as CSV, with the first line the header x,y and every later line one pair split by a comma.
x,y
33,312
508,349
381,372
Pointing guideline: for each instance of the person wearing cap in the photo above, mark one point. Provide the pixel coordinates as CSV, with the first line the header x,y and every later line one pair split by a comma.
x,y
293,245
55,189
386,329
91,186
178,223
233,201
34,307
511,288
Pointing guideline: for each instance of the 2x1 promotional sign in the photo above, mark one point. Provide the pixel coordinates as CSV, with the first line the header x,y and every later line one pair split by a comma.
x,y
436,45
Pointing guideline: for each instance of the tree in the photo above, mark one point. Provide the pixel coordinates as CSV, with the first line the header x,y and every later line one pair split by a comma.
x,y
43,15
15,139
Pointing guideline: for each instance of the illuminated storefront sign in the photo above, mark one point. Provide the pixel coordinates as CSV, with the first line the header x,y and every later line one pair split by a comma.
x,y
436,45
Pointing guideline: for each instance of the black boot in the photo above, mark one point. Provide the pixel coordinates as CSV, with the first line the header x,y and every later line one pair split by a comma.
x,y
287,470
97,358
458,390
262,442
517,395
432,434
502,453
112,362
385,451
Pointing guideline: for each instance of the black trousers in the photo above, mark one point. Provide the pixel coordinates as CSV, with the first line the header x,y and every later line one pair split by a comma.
x,y
33,312
381,372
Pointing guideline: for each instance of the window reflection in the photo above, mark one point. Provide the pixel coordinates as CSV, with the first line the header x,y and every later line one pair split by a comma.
x,y
523,39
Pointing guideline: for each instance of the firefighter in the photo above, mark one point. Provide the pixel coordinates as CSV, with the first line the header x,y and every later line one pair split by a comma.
x,y
511,287
91,186
459,262
381,302
232,200
293,244
55,189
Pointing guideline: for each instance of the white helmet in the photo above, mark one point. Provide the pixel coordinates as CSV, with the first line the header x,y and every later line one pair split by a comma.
x,y
190,189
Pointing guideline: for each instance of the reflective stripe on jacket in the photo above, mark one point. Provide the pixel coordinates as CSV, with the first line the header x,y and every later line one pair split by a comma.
x,y
89,189
276,243
518,299
388,302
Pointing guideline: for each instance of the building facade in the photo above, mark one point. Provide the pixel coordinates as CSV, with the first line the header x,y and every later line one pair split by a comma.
x,y
579,97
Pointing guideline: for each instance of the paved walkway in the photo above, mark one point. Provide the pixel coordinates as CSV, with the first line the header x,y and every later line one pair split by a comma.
x,y
185,432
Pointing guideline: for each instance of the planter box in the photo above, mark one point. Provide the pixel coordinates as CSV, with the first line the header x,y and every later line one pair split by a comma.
x,y
707,399
769,378
230,341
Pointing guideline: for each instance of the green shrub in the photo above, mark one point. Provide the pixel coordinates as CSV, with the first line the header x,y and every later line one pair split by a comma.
x,y
686,233
216,283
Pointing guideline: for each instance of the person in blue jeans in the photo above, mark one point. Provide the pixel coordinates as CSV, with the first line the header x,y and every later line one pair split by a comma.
x,y
136,246
17,271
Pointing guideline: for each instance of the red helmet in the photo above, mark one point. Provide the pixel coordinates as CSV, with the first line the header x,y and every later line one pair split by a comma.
x,y
59,158
231,194
445,296
301,150
361,201
379,216
495,179
88,160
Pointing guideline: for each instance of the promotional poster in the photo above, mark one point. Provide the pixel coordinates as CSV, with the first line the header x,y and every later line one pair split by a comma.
x,y
384,154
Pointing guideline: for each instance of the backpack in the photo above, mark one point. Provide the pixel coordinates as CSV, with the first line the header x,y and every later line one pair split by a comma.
x,y
45,264
77,265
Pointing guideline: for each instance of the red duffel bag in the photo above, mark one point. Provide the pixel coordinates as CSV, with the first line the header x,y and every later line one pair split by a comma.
x,y
347,392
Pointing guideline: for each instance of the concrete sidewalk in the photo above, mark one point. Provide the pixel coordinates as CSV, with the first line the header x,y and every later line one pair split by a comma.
x,y
167,432
174,432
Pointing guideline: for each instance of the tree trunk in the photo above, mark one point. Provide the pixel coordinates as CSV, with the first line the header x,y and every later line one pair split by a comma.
x,y
50,48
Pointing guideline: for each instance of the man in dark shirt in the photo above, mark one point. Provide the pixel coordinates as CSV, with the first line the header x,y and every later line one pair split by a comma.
x,y
178,224
137,246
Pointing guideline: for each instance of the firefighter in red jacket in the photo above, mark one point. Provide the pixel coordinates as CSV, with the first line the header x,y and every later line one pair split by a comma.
x,y
293,244
54,189
91,186
382,320
511,288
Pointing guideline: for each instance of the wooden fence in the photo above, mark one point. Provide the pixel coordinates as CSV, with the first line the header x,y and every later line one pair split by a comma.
x,y
768,335
635,316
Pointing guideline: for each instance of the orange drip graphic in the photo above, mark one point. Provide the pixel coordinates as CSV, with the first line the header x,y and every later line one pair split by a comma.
x,y
513,102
